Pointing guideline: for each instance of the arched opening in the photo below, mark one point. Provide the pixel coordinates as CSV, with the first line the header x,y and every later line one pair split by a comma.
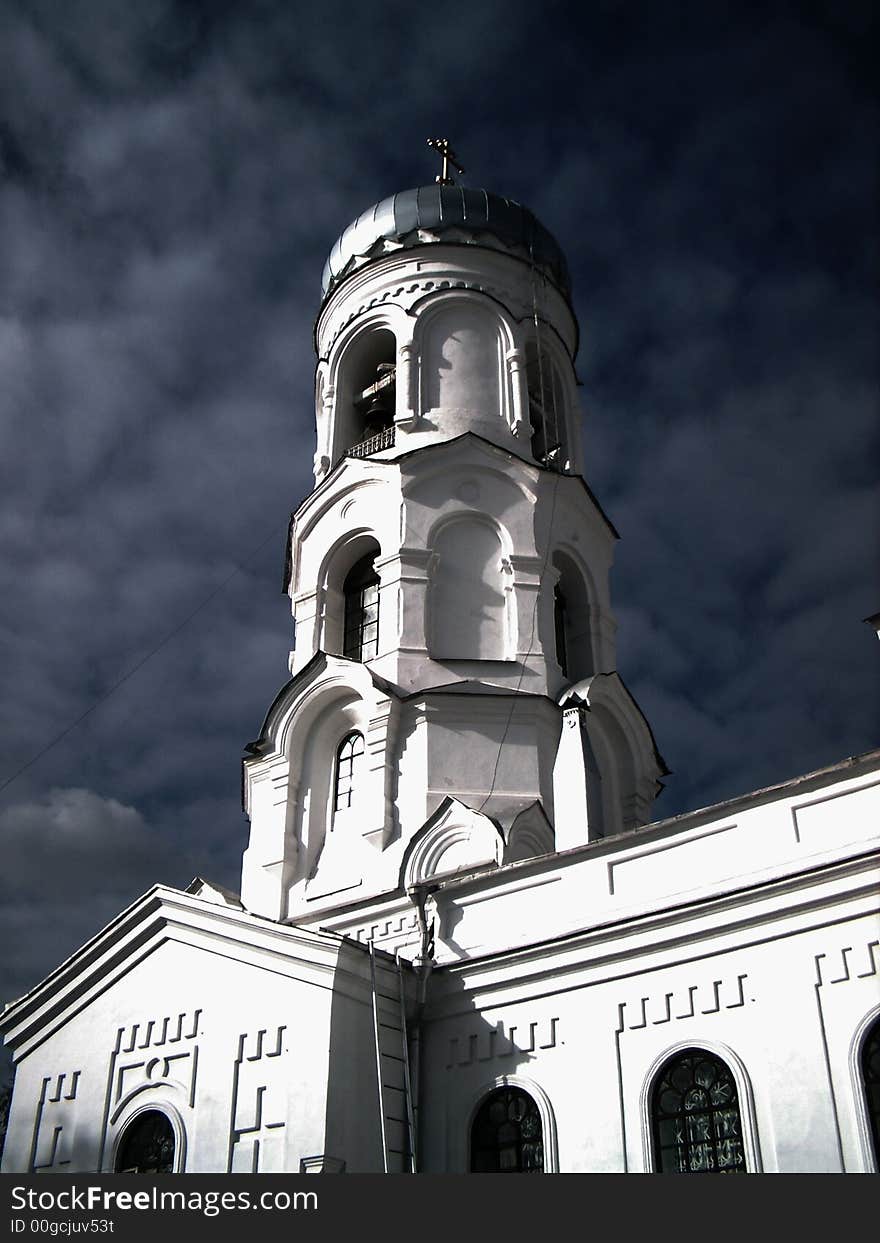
x,y
147,1145
546,408
870,1068
695,1116
572,621
506,1135
560,607
347,774
360,590
366,395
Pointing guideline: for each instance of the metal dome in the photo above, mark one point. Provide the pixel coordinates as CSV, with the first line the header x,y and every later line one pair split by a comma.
x,y
434,209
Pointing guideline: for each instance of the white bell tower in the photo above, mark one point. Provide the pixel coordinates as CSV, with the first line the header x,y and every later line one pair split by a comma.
x,y
454,701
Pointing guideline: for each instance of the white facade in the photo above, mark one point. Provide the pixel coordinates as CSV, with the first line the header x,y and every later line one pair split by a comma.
x,y
457,777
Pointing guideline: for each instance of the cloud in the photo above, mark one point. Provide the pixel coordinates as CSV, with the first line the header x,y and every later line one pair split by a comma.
x,y
174,176
72,859
74,841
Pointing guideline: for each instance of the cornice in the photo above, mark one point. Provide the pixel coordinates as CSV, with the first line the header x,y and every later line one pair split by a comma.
x,y
162,915
743,915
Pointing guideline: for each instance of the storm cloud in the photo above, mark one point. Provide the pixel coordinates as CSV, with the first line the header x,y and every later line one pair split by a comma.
x,y
173,177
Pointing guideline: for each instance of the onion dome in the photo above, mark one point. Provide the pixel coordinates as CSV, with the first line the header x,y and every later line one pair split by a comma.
x,y
450,214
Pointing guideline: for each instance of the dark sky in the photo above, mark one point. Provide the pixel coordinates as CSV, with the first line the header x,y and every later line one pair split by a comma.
x,y
174,175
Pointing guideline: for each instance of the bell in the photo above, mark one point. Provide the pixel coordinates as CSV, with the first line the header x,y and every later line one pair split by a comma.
x,y
377,416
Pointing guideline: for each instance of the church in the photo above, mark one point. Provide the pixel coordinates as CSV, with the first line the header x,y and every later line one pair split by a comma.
x,y
461,943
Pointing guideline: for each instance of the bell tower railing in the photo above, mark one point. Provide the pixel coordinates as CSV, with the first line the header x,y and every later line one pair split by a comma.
x,y
373,444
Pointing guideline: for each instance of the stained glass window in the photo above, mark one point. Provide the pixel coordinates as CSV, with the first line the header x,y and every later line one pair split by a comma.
x,y
696,1117
871,1079
506,1135
147,1145
347,754
361,591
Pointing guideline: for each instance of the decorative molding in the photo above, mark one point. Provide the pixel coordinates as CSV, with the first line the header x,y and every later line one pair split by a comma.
x,y
53,1123
531,835
423,287
455,833
673,843
838,968
800,826
384,929
171,1072
259,1103
157,1032
686,1003
495,1042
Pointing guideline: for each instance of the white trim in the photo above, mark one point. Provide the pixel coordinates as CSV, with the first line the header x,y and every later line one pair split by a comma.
x,y
745,1099
549,1139
150,1106
871,1159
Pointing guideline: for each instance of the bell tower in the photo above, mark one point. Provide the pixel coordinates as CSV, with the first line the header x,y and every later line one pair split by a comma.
x,y
453,701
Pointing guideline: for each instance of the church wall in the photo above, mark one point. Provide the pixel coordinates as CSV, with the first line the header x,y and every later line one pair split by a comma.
x,y
588,1034
696,856
236,1055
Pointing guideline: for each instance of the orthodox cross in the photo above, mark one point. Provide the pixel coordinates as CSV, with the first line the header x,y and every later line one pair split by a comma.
x,y
442,147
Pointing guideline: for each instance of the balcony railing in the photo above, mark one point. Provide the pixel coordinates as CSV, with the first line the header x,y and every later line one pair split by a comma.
x,y
374,444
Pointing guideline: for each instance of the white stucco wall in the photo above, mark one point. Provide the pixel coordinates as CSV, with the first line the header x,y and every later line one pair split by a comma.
x,y
256,1043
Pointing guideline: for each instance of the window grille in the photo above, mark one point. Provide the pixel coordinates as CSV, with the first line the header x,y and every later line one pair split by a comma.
x,y
347,754
506,1135
871,1080
147,1145
361,630
696,1117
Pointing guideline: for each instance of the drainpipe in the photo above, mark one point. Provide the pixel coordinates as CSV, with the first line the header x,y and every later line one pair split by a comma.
x,y
418,895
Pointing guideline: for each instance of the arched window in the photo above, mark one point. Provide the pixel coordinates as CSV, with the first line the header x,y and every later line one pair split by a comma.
x,y
696,1117
361,591
366,395
871,1080
348,753
572,620
147,1145
506,1135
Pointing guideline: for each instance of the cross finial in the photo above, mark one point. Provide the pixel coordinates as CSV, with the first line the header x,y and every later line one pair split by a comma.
x,y
442,147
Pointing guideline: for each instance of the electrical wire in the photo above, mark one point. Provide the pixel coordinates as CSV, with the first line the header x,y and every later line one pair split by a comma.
x,y
102,698
547,554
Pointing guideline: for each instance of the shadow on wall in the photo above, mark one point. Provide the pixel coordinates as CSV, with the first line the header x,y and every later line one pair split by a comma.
x,y
483,1113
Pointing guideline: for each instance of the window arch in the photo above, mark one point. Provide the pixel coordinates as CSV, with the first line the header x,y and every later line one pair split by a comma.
x,y
572,620
507,1135
360,590
147,1145
348,753
695,1116
365,399
869,1064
